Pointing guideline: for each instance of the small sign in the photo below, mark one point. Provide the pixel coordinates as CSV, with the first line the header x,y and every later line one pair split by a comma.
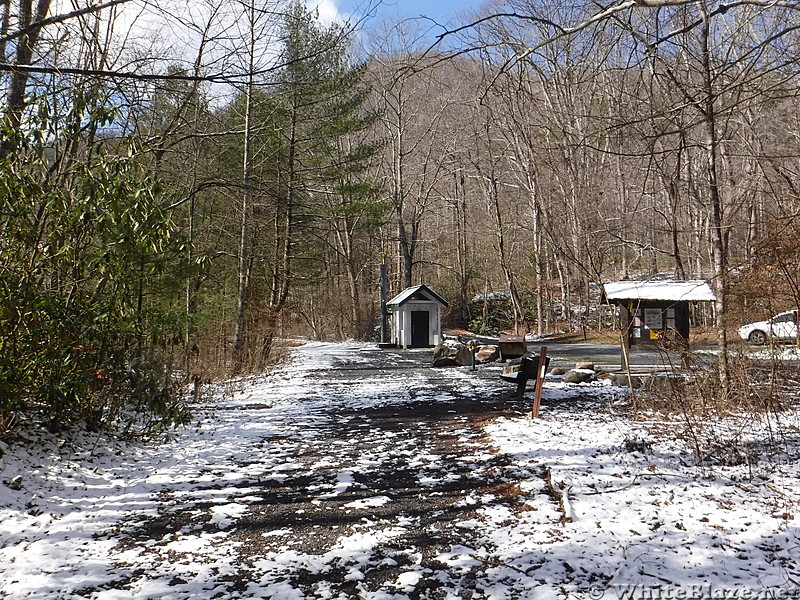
x,y
671,322
653,318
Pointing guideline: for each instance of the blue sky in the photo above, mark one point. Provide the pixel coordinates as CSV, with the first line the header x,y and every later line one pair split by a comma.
x,y
438,10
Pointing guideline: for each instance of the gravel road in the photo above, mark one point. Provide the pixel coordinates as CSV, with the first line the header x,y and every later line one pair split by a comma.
x,y
399,478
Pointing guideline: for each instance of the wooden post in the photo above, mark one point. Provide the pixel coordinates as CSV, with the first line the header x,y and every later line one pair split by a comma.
x,y
384,311
537,398
626,357
625,324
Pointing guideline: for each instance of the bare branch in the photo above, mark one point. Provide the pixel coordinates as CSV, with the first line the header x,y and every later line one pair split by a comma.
x,y
218,78
36,25
603,14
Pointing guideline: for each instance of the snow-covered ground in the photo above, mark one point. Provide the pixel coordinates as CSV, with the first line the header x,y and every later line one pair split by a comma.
x,y
585,502
637,513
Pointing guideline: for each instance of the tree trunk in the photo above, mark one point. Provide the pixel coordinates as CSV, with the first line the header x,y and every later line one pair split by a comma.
x,y
406,253
346,249
247,207
563,281
5,17
508,272
281,280
538,254
460,217
672,190
18,80
717,215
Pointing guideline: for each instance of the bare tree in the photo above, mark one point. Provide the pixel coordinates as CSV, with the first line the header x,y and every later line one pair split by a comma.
x,y
707,56
414,106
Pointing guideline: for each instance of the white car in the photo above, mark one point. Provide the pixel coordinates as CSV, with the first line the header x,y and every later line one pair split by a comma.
x,y
779,327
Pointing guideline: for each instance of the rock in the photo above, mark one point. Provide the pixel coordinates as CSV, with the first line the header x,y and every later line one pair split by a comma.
x,y
580,376
15,483
637,445
451,354
669,383
487,354
585,366
621,380
511,369
557,371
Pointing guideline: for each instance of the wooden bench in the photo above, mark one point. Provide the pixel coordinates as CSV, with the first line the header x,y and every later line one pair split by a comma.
x,y
521,375
530,367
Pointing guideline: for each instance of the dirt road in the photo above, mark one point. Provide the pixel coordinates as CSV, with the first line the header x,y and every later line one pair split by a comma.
x,y
342,499
354,473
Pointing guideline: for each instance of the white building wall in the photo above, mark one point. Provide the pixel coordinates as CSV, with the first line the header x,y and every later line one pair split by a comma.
x,y
397,327
401,323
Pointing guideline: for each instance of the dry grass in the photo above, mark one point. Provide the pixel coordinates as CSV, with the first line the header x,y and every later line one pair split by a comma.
x,y
715,421
705,335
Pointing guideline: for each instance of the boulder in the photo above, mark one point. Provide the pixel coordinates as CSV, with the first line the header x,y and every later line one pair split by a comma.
x,y
621,379
509,369
557,371
451,354
487,354
585,366
580,376
665,383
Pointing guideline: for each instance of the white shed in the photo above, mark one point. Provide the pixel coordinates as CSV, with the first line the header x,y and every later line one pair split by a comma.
x,y
416,316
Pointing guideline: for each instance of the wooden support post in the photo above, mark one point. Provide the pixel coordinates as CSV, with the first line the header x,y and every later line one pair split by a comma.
x,y
625,325
384,312
625,355
537,398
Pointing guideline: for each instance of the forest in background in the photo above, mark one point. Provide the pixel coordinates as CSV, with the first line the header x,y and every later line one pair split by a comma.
x,y
183,184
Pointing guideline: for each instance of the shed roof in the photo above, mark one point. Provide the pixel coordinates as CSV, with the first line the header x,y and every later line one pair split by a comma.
x,y
693,290
417,292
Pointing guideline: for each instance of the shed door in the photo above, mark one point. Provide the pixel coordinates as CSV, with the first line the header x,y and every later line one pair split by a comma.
x,y
420,329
